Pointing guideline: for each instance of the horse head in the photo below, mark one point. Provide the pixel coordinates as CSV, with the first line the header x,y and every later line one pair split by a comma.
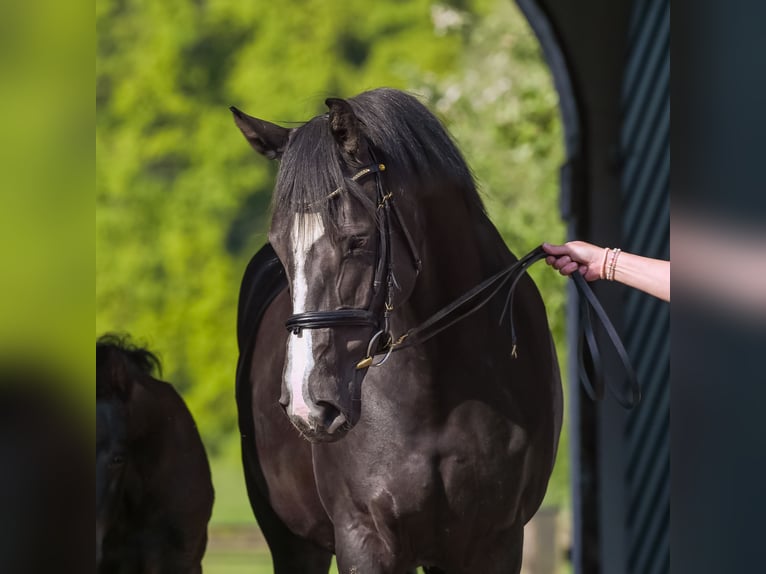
x,y
348,255
118,367
112,393
110,465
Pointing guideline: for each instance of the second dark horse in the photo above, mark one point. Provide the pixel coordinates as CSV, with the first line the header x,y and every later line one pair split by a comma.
x,y
154,494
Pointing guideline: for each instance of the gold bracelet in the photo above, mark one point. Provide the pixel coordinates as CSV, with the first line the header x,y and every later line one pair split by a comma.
x,y
602,275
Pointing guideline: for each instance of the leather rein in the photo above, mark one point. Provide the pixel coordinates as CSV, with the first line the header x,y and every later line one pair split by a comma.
x,y
383,343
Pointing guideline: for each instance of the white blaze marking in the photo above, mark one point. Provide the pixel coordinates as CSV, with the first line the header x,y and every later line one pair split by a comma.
x,y
307,230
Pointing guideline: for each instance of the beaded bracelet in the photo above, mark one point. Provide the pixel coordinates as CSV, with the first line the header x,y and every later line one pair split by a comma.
x,y
613,264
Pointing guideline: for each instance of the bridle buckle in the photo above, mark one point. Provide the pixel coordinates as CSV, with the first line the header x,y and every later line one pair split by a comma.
x,y
372,350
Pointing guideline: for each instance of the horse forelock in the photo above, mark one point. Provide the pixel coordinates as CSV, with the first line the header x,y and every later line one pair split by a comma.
x,y
416,148
119,363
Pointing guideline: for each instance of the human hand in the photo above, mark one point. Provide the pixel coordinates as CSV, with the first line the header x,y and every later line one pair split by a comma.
x,y
573,256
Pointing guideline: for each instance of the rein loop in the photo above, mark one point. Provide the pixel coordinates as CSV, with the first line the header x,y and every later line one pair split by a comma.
x,y
487,289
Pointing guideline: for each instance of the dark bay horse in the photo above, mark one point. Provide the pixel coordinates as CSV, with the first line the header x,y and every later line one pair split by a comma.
x,y
368,431
154,494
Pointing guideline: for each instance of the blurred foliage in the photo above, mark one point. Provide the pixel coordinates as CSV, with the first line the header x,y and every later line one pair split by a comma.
x,y
501,107
46,195
182,202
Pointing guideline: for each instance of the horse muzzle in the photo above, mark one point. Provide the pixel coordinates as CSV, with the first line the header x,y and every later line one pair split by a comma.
x,y
325,422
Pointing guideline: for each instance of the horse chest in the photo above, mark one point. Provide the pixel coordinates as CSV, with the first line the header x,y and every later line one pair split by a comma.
x,y
450,469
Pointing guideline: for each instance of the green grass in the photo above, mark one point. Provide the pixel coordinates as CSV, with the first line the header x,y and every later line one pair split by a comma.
x,y
237,562
232,514
255,561
231,503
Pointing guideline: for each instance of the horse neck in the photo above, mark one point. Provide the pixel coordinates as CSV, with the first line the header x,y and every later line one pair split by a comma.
x,y
461,249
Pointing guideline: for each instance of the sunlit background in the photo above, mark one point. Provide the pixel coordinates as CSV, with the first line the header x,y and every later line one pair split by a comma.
x,y
183,202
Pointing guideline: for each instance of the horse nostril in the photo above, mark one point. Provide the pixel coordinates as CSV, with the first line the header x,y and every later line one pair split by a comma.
x,y
330,416
326,412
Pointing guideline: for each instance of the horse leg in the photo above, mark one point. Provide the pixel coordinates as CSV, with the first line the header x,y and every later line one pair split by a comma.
x,y
293,555
503,556
290,554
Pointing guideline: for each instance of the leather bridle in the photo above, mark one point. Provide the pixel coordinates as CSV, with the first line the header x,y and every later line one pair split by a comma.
x,y
383,342
384,281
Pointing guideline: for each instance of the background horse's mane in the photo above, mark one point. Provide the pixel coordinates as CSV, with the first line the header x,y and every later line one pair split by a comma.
x,y
416,148
118,360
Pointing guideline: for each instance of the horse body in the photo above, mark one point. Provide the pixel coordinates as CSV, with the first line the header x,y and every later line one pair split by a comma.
x,y
453,442
154,493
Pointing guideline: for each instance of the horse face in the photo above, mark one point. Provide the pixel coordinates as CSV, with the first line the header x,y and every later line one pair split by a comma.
x,y
110,465
326,270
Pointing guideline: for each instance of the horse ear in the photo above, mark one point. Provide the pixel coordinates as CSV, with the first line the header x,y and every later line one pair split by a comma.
x,y
266,138
345,126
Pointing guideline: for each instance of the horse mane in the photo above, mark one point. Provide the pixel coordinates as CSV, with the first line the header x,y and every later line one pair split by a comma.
x,y
415,145
118,362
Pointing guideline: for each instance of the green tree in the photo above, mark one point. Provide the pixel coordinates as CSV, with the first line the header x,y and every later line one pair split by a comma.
x,y
182,201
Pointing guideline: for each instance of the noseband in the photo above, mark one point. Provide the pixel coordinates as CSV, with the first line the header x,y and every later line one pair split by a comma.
x,y
383,284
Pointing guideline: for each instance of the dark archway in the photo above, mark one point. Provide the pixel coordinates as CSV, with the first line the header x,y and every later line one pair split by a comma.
x,y
610,64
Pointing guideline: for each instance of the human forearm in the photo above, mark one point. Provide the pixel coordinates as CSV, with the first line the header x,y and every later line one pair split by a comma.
x,y
649,275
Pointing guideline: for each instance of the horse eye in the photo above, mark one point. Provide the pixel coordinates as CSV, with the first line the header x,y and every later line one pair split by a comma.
x,y
356,242
117,460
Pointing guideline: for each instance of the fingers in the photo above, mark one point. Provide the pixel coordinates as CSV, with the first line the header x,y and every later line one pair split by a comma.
x,y
569,268
562,261
558,262
555,249
574,256
564,264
